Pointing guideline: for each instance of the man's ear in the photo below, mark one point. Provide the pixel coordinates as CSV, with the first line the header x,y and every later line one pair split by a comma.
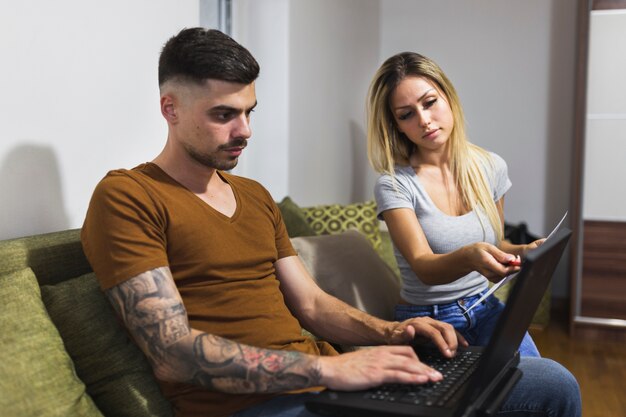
x,y
169,108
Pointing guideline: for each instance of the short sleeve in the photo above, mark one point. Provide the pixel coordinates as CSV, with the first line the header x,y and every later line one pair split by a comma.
x,y
500,182
391,193
124,232
284,248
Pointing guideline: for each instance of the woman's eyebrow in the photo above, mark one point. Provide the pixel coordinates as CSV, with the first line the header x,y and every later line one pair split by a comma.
x,y
419,99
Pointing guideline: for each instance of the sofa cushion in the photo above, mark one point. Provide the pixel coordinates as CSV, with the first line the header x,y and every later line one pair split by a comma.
x,y
37,376
346,266
386,252
294,218
53,257
117,374
337,218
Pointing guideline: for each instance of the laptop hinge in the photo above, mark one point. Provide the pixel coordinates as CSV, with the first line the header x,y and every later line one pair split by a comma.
x,y
501,393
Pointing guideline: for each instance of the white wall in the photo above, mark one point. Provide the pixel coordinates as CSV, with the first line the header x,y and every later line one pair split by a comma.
x,y
316,60
604,196
263,28
80,97
333,54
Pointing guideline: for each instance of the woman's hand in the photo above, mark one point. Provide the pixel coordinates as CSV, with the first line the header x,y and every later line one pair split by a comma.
x,y
490,261
532,245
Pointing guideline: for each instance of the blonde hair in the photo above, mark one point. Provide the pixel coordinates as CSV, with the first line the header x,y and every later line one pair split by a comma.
x,y
387,146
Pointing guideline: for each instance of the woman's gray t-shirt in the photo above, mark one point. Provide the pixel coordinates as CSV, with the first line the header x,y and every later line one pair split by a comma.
x,y
444,233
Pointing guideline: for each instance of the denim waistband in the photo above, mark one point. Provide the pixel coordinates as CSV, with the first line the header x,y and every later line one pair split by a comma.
x,y
434,309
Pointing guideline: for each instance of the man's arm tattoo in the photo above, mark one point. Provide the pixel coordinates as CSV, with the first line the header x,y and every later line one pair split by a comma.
x,y
154,313
242,368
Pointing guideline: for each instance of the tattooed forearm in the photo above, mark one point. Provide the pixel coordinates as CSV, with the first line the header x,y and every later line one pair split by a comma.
x,y
244,368
153,312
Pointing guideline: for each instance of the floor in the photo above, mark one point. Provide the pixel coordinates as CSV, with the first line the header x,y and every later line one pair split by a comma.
x,y
599,366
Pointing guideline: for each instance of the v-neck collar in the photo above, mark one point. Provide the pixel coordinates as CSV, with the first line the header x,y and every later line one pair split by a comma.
x,y
209,207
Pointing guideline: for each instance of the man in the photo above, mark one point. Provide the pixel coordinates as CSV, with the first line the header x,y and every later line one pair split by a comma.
x,y
198,264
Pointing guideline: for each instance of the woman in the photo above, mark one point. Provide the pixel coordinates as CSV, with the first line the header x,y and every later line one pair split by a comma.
x,y
441,197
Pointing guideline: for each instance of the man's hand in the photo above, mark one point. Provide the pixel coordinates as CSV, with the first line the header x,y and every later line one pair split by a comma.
x,y
437,332
370,367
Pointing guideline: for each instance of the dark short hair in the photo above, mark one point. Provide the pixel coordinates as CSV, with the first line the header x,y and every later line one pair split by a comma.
x,y
198,54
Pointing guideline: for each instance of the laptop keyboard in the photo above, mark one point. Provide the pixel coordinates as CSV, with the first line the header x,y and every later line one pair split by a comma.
x,y
455,372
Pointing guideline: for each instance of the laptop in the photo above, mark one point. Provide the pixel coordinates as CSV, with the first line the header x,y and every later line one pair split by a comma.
x,y
478,380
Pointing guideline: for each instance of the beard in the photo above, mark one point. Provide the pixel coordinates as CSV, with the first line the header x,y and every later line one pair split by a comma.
x,y
217,159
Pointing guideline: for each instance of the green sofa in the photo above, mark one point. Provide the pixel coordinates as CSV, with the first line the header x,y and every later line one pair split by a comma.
x,y
64,353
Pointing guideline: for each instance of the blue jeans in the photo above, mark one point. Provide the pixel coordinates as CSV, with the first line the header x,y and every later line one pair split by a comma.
x,y
476,326
546,389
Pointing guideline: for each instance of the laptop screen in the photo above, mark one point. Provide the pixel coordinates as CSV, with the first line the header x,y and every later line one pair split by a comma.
x,y
528,289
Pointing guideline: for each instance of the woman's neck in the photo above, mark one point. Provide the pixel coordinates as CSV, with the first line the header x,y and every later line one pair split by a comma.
x,y
439,158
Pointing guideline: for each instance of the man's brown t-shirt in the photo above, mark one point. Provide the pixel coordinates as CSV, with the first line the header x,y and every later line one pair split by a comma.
x,y
142,219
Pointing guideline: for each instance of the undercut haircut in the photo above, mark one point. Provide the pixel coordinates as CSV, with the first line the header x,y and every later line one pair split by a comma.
x,y
198,54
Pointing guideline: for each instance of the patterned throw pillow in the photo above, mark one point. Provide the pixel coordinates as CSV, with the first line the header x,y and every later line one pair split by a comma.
x,y
337,218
